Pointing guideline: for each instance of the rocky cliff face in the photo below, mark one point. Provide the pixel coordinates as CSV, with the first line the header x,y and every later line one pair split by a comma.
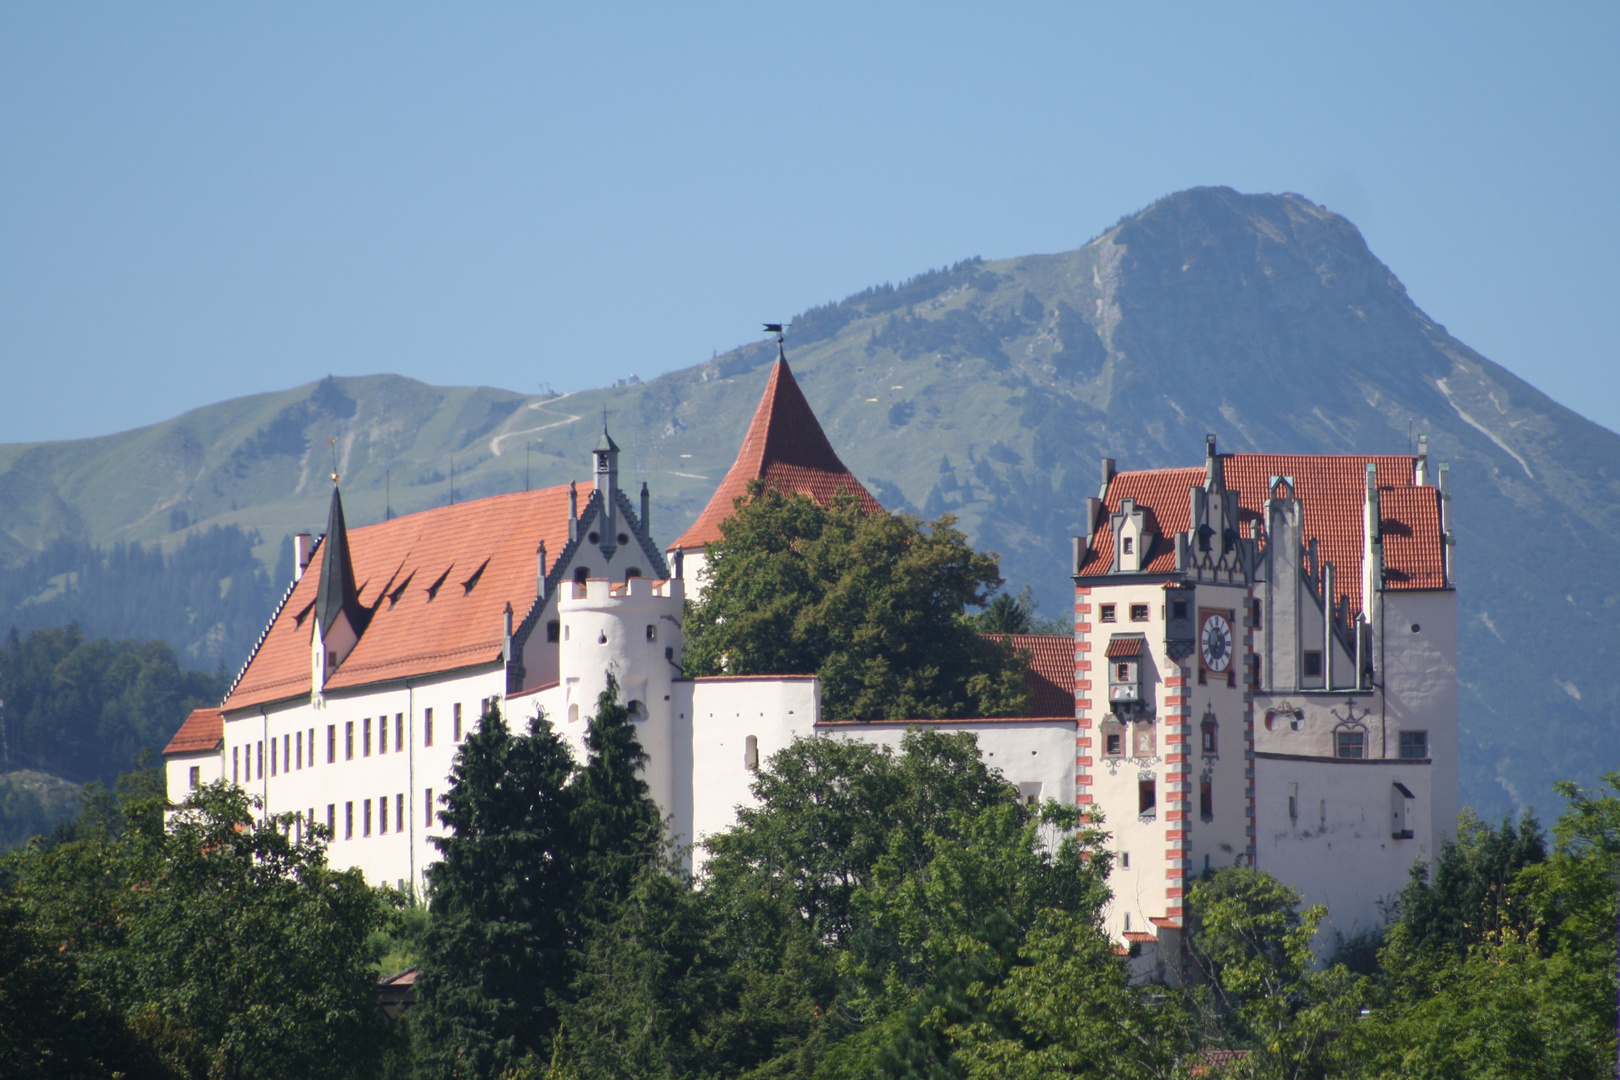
x,y
990,390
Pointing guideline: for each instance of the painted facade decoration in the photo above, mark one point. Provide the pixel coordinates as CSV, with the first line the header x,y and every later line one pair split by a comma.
x,y
1263,669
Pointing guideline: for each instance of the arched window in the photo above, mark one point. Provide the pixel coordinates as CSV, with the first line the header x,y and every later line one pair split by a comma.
x,y
638,709
573,714
751,752
582,574
1207,731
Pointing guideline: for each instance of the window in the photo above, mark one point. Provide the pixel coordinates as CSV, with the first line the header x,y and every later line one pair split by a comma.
x,y
1139,613
348,741
1122,672
1142,740
236,775
631,572
298,745
582,574
1255,660
427,727
331,659
365,737
1231,675
427,807
1207,731
1126,545
1107,613
1313,664
1124,860
348,821
751,752
1350,744
1178,609
1127,922
272,757
1147,796
331,819
331,743
652,632
399,733
196,777
1414,744
399,812
573,713
312,752
1113,736
1206,800
366,803
1203,676
1255,613
382,815
553,631
455,722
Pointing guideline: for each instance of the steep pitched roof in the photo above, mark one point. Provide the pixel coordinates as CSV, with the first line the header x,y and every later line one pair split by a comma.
x,y
786,446
1051,671
203,730
433,585
1332,489
337,594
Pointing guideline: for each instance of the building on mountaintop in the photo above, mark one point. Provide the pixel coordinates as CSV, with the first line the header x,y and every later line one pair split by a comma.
x,y
786,447
1277,638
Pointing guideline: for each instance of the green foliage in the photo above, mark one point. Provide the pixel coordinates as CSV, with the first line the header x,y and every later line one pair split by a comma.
x,y
497,950
226,946
33,803
1010,614
1469,895
83,708
618,828
873,603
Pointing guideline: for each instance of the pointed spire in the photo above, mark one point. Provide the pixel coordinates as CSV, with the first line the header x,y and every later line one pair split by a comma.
x,y
786,445
337,594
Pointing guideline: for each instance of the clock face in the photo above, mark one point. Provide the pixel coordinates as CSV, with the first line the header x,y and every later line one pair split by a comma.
x,y
1215,641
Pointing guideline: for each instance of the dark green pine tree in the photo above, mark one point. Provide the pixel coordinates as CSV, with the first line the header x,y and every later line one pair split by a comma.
x,y
498,952
618,829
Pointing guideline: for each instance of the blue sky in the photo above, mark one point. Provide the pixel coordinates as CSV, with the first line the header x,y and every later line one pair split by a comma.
x,y
198,202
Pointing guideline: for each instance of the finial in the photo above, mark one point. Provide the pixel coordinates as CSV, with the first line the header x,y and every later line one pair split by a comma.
x,y
332,442
776,328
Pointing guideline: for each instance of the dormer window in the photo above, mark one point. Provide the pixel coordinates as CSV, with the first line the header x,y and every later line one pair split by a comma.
x,y
1128,544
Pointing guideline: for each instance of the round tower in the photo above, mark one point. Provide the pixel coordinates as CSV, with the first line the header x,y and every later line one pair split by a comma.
x,y
631,629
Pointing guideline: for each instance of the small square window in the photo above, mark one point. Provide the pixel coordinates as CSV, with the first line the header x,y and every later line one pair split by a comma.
x,y
1350,744
196,777
1178,609
1114,744
1123,672
1414,744
553,631
1313,665
652,632
1127,544
1106,613
1139,613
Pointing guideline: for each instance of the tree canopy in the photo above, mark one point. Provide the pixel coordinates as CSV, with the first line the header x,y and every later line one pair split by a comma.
x,y
874,603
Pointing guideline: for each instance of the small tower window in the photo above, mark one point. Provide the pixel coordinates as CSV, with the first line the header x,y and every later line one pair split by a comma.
x,y
633,571
1107,613
652,631
751,752
553,631
1313,664
1127,545
637,709
1414,744
1147,796
582,574
573,714
1350,744
1207,733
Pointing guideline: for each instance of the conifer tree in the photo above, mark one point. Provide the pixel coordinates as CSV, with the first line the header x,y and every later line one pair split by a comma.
x,y
617,827
498,951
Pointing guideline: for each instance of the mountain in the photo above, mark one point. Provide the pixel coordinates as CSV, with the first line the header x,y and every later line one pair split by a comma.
x,y
990,389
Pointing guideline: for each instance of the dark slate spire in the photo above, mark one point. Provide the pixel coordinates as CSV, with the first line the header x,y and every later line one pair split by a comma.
x,y
337,595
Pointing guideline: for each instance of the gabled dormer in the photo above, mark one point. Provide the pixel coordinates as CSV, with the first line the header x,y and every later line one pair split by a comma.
x,y
1134,532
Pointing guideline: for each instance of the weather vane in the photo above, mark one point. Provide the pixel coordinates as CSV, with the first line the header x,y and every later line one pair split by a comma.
x,y
332,442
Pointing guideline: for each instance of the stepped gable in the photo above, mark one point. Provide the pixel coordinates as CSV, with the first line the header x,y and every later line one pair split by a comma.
x,y
203,730
1332,488
433,586
1051,671
786,446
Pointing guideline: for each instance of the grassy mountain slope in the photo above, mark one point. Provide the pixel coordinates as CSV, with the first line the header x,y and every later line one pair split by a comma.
x,y
991,389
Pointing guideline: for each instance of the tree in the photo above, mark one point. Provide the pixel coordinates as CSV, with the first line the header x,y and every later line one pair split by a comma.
x,y
1010,614
873,603
225,943
1253,945
497,952
1469,896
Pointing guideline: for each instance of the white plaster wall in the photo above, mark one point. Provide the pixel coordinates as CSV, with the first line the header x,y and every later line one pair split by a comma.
x,y
1420,679
177,772
1022,751
1339,850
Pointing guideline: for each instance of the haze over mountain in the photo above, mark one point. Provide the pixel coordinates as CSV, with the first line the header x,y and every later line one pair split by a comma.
x,y
991,389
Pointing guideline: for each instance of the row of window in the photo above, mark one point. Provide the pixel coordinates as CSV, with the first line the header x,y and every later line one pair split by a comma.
x,y
373,818
289,754
1352,743
1143,742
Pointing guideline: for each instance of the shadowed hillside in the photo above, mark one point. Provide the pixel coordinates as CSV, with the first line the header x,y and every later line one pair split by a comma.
x,y
990,389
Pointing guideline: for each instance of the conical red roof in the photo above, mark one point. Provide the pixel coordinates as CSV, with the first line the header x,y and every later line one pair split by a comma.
x,y
786,446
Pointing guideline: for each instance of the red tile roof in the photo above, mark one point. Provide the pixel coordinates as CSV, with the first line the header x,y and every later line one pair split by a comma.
x,y
1051,671
437,584
1125,646
202,731
1332,488
786,446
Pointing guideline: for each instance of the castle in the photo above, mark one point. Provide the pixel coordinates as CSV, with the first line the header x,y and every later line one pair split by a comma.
x,y
1274,633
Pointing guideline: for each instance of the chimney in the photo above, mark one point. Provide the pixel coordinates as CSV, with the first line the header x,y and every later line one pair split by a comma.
x,y
646,508
1448,539
573,511
301,549
1329,618
1214,471
679,565
540,571
1420,468
1079,554
1107,475
506,633
1093,510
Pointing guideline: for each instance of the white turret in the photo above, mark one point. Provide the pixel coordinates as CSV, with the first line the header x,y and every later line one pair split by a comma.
x,y
633,630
